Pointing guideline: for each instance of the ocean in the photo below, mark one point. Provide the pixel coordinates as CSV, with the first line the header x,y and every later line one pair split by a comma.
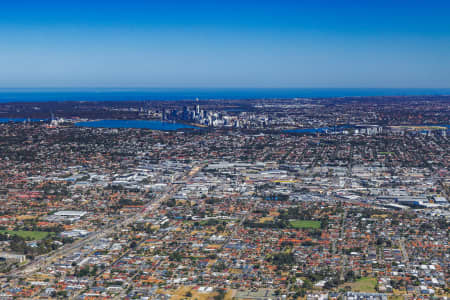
x,y
110,94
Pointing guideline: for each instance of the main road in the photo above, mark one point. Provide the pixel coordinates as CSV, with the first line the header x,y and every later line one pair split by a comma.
x,y
44,261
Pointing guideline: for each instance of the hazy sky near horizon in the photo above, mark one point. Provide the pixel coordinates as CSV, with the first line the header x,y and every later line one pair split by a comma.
x,y
316,43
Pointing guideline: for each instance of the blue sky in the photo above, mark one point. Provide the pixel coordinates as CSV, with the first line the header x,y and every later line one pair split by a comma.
x,y
230,43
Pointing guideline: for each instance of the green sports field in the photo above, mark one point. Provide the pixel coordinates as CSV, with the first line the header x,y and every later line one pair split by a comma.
x,y
364,284
33,235
305,224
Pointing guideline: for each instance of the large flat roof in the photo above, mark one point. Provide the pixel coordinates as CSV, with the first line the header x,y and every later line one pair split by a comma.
x,y
71,213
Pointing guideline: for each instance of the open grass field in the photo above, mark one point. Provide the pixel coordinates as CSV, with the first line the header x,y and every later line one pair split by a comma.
x,y
265,219
396,297
33,235
302,224
364,284
181,292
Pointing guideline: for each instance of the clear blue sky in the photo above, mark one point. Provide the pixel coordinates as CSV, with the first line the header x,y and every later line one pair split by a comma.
x,y
229,43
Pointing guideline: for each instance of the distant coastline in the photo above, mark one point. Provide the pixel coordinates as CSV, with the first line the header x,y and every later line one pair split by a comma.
x,y
8,95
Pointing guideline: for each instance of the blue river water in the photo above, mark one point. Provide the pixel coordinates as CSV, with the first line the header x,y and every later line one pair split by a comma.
x,y
166,126
99,94
155,125
19,120
306,130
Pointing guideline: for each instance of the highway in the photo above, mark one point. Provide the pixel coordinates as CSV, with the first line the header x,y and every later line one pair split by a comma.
x,y
44,261
149,208
404,252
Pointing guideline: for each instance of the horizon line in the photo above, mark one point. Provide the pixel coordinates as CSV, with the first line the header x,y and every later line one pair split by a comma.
x,y
215,87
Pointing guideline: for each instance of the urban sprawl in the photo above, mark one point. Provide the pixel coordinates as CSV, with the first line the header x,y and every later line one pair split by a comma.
x,y
263,199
